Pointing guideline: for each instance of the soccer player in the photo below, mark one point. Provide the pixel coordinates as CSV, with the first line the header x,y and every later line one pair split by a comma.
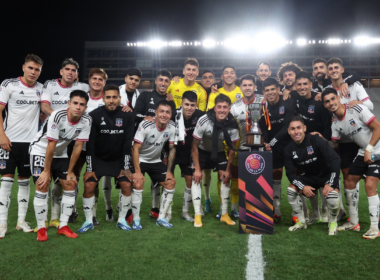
x,y
20,100
287,76
149,140
186,120
208,153
129,92
108,154
263,72
361,126
239,112
320,164
280,112
207,80
48,157
190,72
56,96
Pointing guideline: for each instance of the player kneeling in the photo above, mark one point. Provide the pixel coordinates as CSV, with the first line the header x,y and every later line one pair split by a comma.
x,y
320,165
48,157
149,140
108,154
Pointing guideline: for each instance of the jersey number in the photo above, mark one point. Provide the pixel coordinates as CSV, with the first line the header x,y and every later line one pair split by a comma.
x,y
39,161
4,154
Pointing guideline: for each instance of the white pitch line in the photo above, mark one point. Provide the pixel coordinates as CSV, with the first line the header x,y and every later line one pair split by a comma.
x,y
255,264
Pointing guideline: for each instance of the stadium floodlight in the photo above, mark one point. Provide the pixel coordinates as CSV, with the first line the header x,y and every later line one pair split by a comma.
x,y
301,42
333,41
156,44
175,43
209,43
239,43
268,41
365,41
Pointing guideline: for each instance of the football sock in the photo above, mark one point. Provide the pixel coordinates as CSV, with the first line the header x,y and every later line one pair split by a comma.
x,y
155,191
107,188
187,200
56,199
136,203
315,205
332,200
96,200
166,201
373,205
207,182
323,199
225,190
5,198
304,206
296,202
277,197
67,205
234,193
196,194
341,196
124,206
352,198
23,198
88,204
40,208
219,185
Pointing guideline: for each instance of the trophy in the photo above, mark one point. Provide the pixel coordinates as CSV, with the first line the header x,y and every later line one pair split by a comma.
x,y
254,135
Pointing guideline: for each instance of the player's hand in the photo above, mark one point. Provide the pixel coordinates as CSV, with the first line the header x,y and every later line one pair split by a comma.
x,y
149,119
169,176
367,157
267,147
326,190
286,94
308,191
165,161
43,180
138,179
127,173
214,88
126,108
317,133
169,97
352,103
5,143
176,79
318,97
343,90
88,175
71,177
197,176
225,176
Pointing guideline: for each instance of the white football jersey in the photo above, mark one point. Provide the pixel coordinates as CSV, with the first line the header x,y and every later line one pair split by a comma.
x,y
94,103
22,109
203,131
124,97
239,111
354,125
57,95
153,139
58,128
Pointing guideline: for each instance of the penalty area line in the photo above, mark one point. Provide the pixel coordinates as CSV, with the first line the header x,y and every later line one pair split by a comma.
x,y
255,264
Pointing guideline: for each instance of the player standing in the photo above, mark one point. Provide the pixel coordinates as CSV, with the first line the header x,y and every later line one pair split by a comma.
x,y
207,80
48,157
20,101
263,72
287,76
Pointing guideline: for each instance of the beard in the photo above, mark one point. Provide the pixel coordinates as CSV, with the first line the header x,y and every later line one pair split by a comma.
x,y
320,77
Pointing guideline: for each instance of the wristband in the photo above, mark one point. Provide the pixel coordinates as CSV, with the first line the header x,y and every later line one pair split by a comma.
x,y
370,148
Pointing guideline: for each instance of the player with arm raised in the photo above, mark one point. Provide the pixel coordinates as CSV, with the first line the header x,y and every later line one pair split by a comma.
x,y
48,158
361,126
19,114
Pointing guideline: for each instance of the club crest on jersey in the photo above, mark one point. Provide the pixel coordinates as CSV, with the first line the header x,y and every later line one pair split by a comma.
x,y
281,110
311,109
78,131
3,165
238,96
36,172
166,135
38,93
310,150
352,122
194,121
119,122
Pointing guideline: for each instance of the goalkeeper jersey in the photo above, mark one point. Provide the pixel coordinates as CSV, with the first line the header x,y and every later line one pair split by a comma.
x,y
234,95
177,90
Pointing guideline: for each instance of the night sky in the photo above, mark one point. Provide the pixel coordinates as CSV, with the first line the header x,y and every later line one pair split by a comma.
x,y
58,29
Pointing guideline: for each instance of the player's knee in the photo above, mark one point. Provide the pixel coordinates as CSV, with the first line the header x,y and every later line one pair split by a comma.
x,y
370,187
89,187
349,184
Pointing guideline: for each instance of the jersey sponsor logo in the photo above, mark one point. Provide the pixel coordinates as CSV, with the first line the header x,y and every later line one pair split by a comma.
x,y
352,122
311,109
152,136
166,135
310,150
22,92
119,122
27,102
103,123
62,130
112,131
3,165
60,102
295,155
56,93
209,131
36,172
151,101
255,164
281,110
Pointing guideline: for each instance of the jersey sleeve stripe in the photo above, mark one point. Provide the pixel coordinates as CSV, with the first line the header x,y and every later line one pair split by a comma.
x,y
234,141
45,101
196,137
52,139
137,141
370,120
2,103
365,99
171,142
335,138
82,140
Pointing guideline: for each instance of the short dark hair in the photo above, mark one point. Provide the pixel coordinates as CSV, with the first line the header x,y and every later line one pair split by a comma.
x,y
228,66
269,82
164,102
222,98
98,71
334,60
263,63
165,73
134,72
111,87
70,61
296,118
328,91
303,74
34,58
319,60
248,77
190,95
191,61
208,71
79,93
285,67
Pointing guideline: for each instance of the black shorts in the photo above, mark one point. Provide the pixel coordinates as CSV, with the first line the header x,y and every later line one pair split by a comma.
x,y
316,182
59,167
278,156
18,158
107,168
347,153
70,148
206,162
360,168
184,163
156,171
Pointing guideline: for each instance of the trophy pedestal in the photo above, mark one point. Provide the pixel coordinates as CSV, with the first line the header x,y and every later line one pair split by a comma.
x,y
254,141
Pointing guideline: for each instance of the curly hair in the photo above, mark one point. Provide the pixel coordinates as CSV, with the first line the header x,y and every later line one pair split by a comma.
x,y
285,67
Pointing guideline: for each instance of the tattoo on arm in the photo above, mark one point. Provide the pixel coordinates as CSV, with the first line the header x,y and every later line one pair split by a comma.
x,y
171,157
